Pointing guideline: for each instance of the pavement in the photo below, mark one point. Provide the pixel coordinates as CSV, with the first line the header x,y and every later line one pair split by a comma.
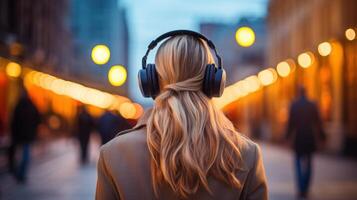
x,y
56,173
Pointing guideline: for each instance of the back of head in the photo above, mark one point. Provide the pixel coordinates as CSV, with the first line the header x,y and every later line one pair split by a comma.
x,y
188,138
301,91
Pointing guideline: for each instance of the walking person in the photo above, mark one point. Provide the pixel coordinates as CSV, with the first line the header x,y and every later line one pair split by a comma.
x,y
85,124
24,124
109,124
184,147
305,132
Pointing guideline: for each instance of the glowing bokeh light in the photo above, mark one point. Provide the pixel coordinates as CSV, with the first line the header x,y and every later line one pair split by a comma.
x,y
251,84
283,69
245,36
117,75
139,110
324,49
267,76
127,110
305,60
350,34
84,94
13,69
100,54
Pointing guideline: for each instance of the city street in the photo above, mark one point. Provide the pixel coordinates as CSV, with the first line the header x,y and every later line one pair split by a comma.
x,y
74,73
56,174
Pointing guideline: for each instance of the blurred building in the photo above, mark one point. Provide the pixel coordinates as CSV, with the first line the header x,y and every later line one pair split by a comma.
x,y
310,43
48,45
36,33
99,22
298,26
238,61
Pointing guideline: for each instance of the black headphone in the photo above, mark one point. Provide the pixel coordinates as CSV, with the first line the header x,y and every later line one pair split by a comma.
x,y
214,79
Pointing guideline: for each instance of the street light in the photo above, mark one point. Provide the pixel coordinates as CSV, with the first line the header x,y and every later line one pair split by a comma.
x,y
245,36
13,69
100,54
117,75
283,69
305,60
324,49
267,76
350,34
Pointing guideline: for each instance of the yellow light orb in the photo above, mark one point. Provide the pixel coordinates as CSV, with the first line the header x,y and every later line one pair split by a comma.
x,y
117,75
245,36
13,69
305,59
267,76
324,49
127,110
100,54
350,34
283,69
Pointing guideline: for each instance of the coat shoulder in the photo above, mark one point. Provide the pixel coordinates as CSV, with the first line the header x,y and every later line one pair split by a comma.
x,y
130,140
248,150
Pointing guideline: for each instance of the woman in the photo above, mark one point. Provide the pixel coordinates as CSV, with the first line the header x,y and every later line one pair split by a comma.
x,y
184,147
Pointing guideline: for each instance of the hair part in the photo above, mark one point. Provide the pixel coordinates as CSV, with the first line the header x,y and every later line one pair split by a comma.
x,y
188,138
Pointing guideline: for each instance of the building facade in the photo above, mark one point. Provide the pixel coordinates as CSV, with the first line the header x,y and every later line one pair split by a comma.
x,y
99,22
299,26
36,33
54,39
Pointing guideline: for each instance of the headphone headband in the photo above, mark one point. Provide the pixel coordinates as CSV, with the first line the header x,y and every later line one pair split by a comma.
x,y
180,32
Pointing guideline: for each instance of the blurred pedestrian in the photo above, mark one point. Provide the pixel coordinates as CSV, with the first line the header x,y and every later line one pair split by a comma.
x,y
109,124
304,132
184,147
2,128
85,125
24,124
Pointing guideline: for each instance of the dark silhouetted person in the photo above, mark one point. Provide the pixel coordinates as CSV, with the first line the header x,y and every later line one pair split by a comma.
x,y
85,125
24,124
2,127
305,132
109,124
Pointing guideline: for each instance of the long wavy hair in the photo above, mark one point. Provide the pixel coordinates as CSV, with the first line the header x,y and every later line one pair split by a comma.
x,y
188,138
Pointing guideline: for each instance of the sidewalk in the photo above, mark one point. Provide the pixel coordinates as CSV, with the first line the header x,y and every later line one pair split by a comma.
x,y
56,175
334,178
61,177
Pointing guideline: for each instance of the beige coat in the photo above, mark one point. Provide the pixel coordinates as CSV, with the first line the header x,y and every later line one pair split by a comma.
x,y
124,171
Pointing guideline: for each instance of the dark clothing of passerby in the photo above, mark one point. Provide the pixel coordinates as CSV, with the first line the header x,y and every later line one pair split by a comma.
x,y
109,124
304,126
85,125
24,123
2,127
303,165
305,131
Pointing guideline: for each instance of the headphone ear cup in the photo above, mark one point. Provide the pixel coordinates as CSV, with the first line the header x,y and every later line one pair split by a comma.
x,y
143,82
155,87
208,80
205,85
219,82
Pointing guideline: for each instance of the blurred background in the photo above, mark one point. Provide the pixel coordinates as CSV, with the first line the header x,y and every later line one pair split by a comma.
x,y
68,84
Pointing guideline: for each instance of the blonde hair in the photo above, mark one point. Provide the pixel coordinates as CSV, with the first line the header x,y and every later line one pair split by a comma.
x,y
188,138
